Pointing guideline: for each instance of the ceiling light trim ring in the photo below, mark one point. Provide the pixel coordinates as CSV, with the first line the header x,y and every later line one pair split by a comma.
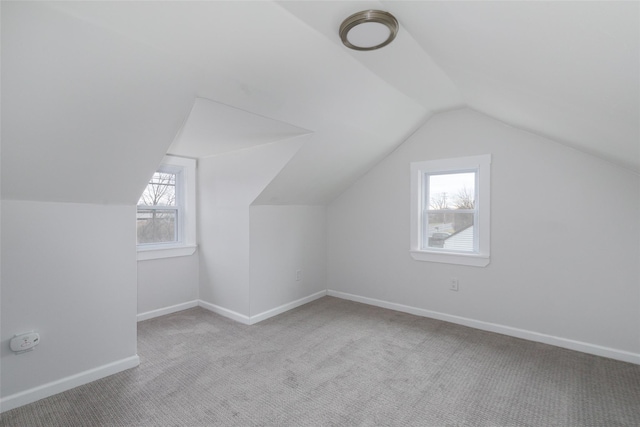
x,y
377,16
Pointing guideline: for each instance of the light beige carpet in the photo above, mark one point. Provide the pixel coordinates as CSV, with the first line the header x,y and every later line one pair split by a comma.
x,y
339,363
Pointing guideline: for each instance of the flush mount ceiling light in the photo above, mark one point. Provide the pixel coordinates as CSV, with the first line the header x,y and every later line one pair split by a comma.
x,y
369,30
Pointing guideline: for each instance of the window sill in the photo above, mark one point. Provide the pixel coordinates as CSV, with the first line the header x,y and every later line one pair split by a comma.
x,y
452,258
166,252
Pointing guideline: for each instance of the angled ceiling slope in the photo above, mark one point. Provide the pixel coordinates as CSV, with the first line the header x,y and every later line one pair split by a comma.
x,y
403,64
89,87
566,70
213,128
86,114
254,56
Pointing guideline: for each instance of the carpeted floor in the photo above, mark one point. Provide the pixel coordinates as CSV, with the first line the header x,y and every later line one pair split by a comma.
x,y
339,363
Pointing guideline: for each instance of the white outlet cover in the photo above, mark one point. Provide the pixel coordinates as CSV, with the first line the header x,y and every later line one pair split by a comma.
x,y
24,342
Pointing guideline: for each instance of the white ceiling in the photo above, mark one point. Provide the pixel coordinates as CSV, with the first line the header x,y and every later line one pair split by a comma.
x,y
90,88
567,70
213,128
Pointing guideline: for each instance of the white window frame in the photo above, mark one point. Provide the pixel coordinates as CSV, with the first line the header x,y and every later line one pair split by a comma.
x,y
480,256
185,170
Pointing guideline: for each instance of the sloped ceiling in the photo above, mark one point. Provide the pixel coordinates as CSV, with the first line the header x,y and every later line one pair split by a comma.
x,y
567,70
213,129
83,119
95,93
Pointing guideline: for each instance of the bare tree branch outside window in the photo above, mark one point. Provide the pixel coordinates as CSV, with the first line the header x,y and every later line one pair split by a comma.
x,y
157,224
464,199
451,203
439,202
161,190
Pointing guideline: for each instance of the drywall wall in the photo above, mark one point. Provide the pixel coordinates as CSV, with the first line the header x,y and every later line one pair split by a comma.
x,y
227,185
165,283
285,240
564,237
69,273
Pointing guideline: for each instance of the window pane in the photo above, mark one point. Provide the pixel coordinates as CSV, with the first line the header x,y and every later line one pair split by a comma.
x,y
451,230
452,191
156,226
161,190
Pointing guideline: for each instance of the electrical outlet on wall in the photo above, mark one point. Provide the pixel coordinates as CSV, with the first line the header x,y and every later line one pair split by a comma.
x,y
21,343
298,275
453,284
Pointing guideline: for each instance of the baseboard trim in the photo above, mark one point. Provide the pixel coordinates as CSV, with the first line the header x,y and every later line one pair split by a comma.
x,y
252,320
225,312
583,347
286,307
167,310
32,395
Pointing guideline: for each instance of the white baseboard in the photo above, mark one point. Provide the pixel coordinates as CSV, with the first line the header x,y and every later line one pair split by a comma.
x,y
251,320
29,396
225,312
594,349
167,310
286,307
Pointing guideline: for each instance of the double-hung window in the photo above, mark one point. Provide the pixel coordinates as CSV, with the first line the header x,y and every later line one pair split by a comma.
x,y
450,215
159,211
166,211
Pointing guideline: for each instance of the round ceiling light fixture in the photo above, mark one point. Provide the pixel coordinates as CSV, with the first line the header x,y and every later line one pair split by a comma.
x,y
368,30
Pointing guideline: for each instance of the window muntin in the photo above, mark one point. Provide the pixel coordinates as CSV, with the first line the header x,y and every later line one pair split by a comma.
x,y
450,216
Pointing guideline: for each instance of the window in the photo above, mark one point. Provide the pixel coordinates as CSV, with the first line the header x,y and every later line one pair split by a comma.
x,y
166,211
158,208
450,215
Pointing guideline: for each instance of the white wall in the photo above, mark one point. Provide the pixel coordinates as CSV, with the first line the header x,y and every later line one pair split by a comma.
x,y
224,258
227,185
167,282
285,239
565,237
69,273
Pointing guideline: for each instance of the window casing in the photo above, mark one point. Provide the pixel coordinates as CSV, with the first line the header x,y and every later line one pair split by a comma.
x,y
166,211
450,210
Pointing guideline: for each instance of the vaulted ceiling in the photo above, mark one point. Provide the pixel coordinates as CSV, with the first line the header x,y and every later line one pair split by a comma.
x,y
95,93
